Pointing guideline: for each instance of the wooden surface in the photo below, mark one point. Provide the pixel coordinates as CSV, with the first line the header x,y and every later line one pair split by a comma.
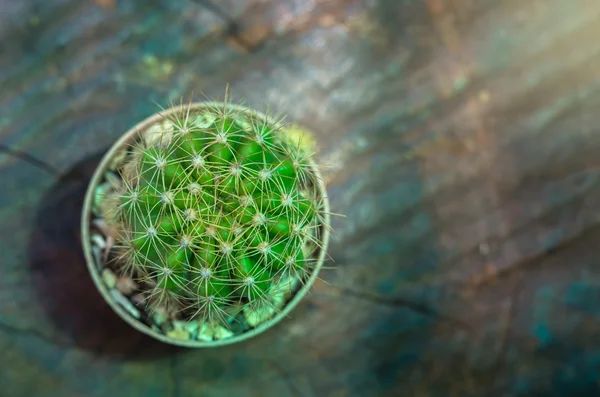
x,y
460,139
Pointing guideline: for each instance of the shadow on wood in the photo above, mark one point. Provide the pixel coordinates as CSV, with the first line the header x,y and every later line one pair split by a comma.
x,y
60,276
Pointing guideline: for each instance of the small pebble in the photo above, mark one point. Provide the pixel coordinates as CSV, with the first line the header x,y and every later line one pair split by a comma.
x,y
178,333
206,120
282,290
98,241
159,317
166,327
125,303
102,226
222,333
159,133
97,254
109,278
110,242
286,285
192,327
177,324
113,180
138,299
126,285
279,300
99,194
205,333
210,332
118,159
255,317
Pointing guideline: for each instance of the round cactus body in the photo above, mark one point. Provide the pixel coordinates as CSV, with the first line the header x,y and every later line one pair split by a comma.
x,y
217,214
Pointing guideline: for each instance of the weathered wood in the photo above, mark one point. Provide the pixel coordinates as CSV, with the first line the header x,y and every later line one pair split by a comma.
x,y
459,138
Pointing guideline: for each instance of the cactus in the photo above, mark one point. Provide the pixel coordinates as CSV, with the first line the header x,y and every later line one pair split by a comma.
x,y
217,212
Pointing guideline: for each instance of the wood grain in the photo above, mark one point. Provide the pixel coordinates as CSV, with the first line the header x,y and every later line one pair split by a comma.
x,y
458,138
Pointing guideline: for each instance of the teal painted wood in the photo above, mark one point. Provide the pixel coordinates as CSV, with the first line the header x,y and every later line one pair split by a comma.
x,y
461,140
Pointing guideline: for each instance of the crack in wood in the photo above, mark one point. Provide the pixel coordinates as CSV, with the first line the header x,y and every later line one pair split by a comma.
x,y
539,257
31,159
399,302
14,330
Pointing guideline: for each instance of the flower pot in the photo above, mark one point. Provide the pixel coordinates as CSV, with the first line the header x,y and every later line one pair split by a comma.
x,y
127,298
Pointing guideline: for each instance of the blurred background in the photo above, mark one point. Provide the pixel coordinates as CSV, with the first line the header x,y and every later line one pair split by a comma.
x,y
459,138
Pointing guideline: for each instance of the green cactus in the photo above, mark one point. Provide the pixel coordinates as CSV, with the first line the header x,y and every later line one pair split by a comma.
x,y
218,208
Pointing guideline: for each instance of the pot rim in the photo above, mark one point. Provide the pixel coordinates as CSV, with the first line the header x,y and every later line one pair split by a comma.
x,y
96,275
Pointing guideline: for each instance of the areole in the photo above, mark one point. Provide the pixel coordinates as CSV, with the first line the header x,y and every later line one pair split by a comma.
x,y
98,177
